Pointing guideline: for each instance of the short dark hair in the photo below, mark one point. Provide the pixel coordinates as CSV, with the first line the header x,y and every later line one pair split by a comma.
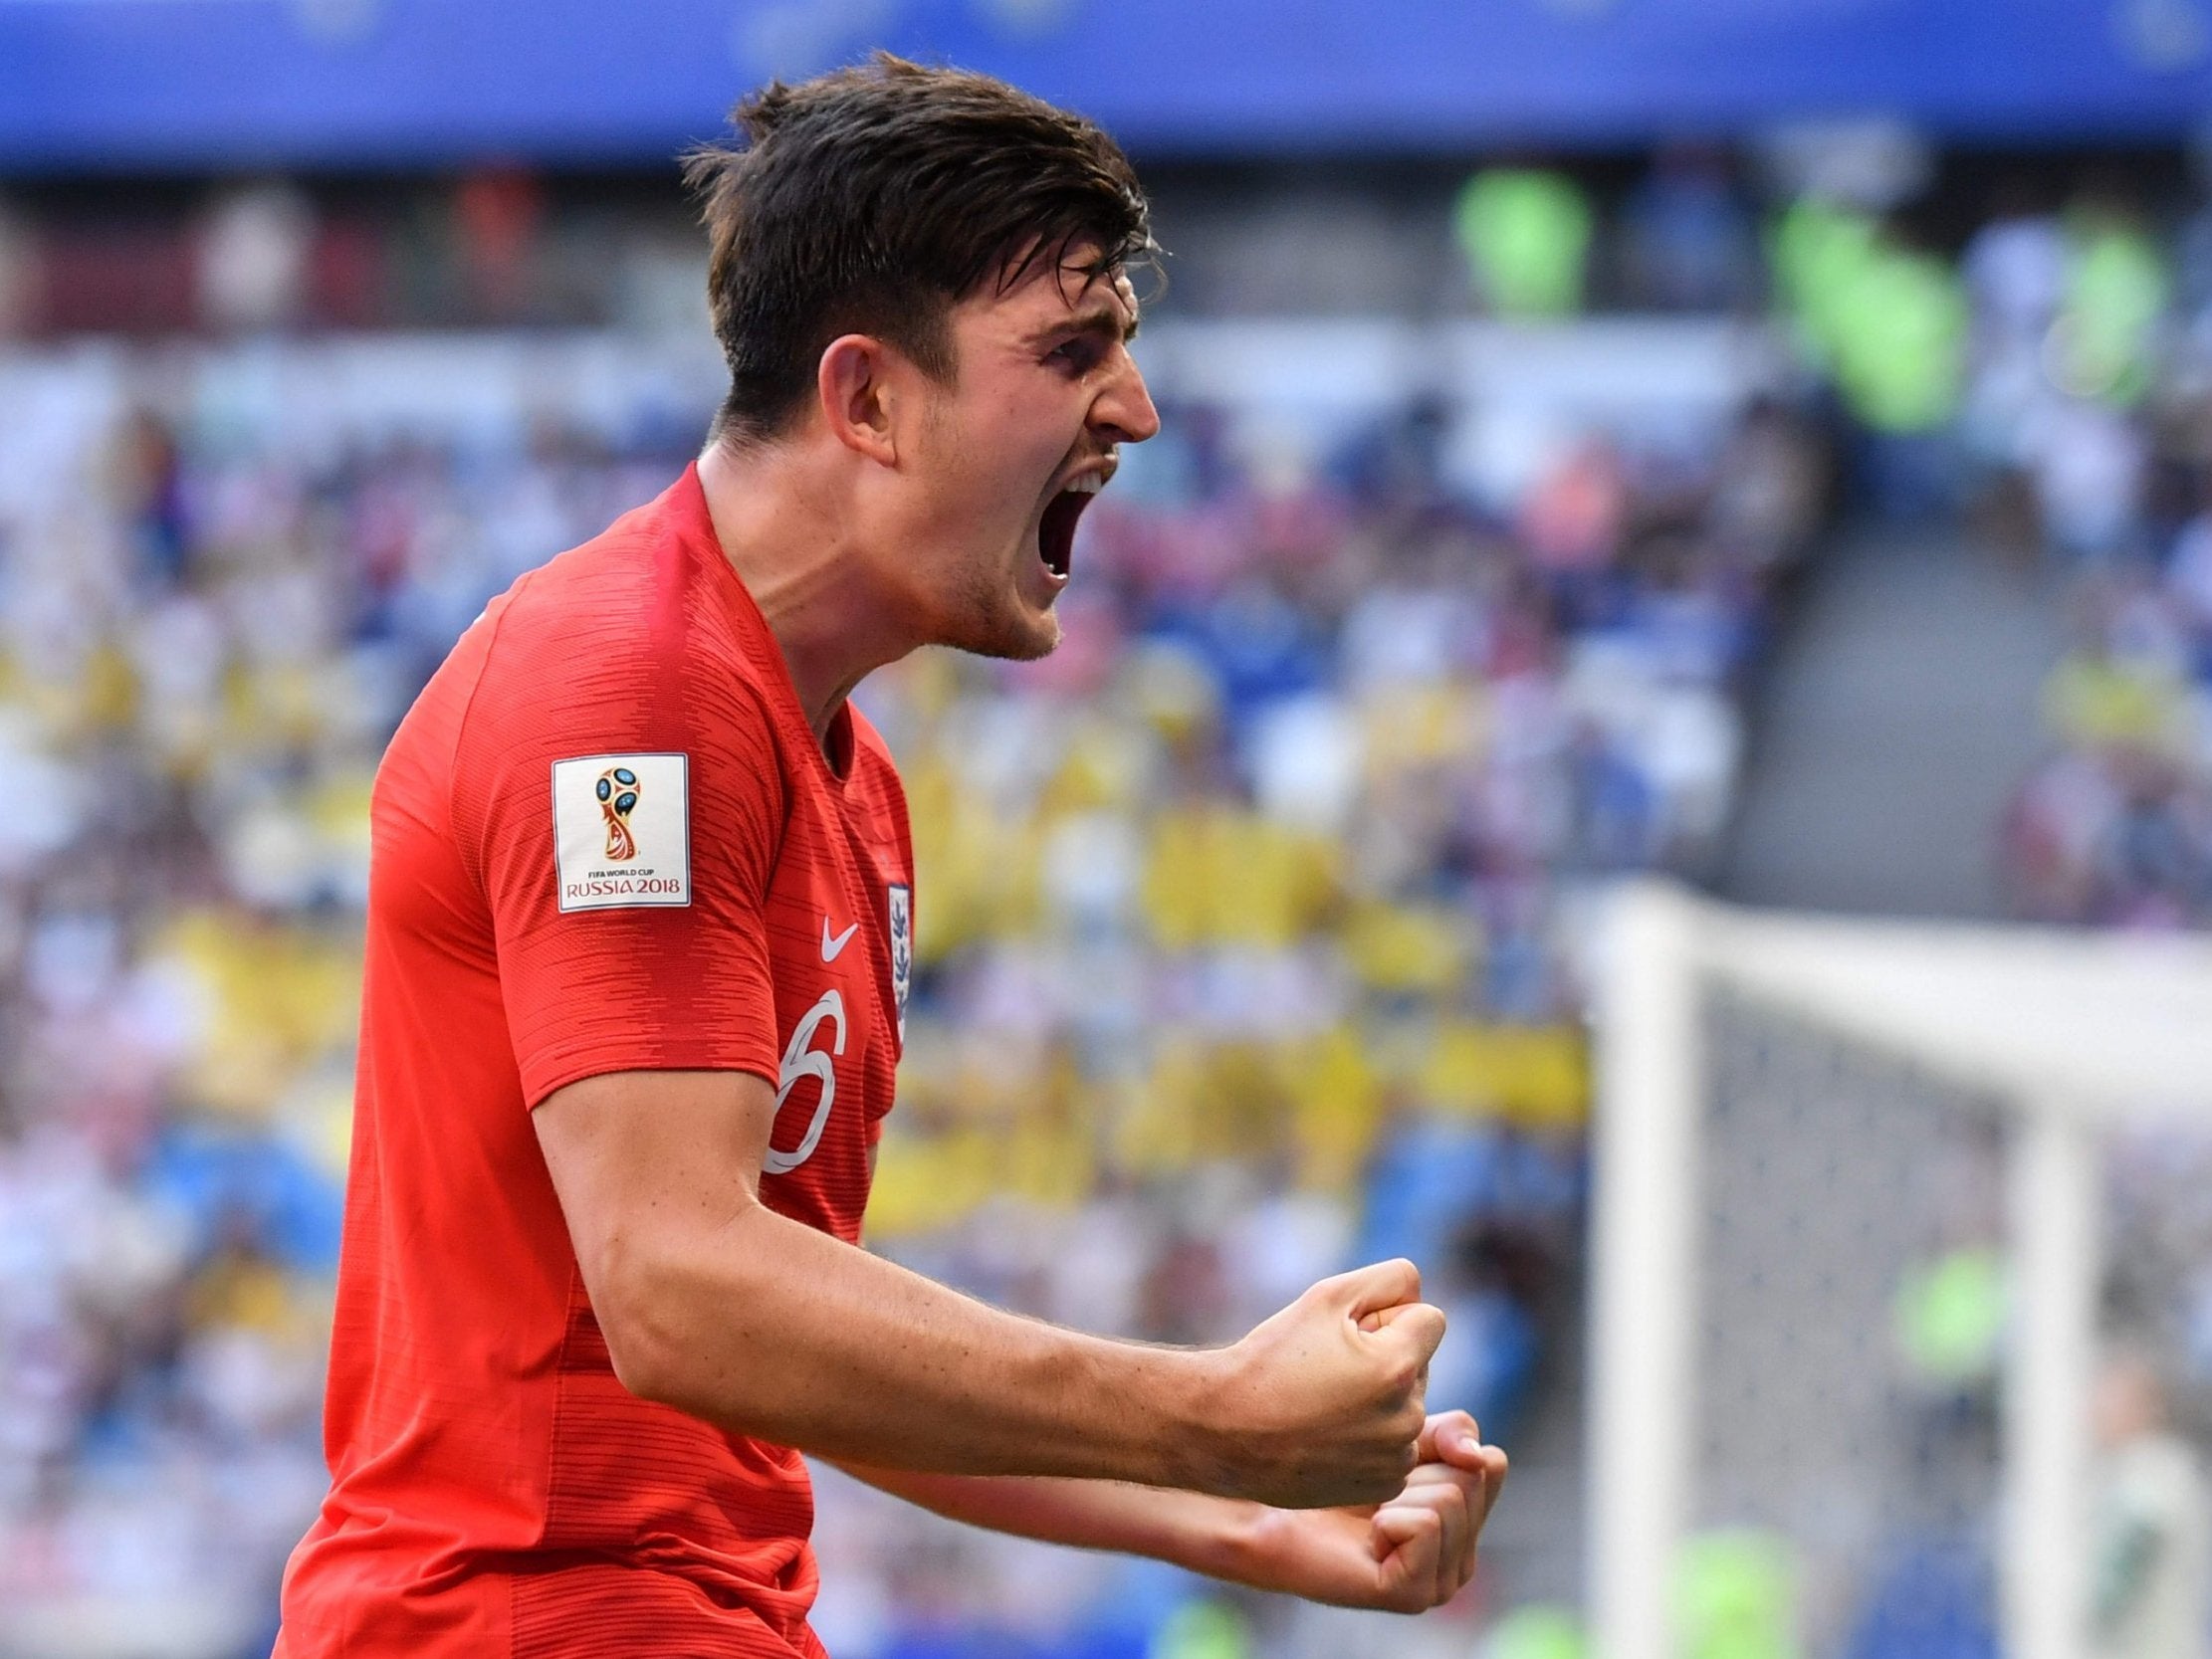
x,y
873,198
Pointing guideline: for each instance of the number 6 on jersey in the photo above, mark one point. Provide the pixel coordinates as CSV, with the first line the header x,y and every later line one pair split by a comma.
x,y
803,1061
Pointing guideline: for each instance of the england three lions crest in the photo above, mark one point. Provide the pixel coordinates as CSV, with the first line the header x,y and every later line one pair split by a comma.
x,y
902,949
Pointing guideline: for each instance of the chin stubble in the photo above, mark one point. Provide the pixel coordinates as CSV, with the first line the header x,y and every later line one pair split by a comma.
x,y
992,623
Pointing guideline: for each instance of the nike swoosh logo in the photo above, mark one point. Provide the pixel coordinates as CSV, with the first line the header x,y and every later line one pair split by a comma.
x,y
831,946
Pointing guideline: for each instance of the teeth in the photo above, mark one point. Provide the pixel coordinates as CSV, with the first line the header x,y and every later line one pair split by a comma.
x,y
1087,484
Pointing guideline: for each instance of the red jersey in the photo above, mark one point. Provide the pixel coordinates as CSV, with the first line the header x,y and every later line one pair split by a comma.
x,y
605,840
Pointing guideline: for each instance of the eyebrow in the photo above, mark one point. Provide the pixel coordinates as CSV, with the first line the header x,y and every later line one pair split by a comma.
x,y
1099,321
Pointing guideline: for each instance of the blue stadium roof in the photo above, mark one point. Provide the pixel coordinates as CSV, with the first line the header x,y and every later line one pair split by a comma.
x,y
191,84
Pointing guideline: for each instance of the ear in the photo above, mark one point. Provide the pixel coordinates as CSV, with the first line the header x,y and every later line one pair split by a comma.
x,y
853,384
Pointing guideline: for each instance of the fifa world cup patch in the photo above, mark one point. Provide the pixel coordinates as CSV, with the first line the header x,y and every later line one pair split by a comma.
x,y
623,830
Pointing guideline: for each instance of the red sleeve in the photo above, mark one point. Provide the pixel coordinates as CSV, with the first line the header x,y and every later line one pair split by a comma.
x,y
622,809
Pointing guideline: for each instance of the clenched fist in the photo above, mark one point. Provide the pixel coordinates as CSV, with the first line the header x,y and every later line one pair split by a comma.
x,y
1408,1555
1321,1405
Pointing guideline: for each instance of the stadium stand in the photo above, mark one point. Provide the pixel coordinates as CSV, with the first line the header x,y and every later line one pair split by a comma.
x,y
1241,928
1296,827
2103,459
1252,925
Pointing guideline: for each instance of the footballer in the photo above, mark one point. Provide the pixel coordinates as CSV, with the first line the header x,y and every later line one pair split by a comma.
x,y
640,923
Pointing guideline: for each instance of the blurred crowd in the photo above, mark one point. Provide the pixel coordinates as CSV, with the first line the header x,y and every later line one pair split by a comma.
x,y
1245,921
1249,923
2084,428
2050,386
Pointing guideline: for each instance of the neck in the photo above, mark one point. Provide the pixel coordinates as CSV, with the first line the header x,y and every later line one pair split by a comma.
x,y
785,520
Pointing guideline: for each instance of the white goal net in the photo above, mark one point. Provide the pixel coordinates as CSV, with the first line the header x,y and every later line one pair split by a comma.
x,y
1871,1198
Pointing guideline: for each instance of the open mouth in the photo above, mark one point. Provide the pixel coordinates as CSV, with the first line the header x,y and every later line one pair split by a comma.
x,y
1056,529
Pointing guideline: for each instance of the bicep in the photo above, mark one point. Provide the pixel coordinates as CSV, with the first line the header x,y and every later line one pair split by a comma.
x,y
644,1160
647,956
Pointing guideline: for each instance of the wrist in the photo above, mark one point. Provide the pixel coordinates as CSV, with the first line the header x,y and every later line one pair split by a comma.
x,y
1190,1448
1238,1544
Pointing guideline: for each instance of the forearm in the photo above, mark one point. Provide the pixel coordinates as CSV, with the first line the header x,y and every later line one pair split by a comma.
x,y
1413,1553
1192,1530
768,1328
714,1303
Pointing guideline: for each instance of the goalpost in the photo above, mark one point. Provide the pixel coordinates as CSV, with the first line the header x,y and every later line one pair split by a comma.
x,y
1792,1111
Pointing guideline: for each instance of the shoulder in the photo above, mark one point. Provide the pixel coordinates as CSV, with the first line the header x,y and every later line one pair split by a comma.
x,y
633,628
619,600
623,647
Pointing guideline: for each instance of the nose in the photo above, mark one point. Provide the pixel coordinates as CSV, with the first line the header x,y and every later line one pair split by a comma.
x,y
1123,411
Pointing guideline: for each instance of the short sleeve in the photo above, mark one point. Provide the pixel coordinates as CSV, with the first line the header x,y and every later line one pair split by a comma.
x,y
621,803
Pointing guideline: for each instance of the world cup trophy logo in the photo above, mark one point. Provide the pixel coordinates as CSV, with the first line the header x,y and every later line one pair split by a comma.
x,y
618,790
